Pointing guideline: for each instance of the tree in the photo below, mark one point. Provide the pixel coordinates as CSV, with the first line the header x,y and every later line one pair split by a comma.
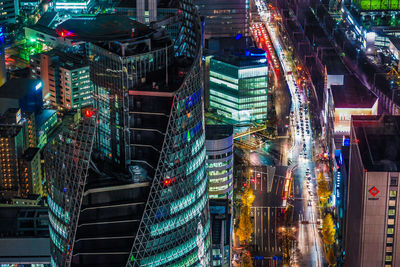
x,y
246,260
323,189
245,226
248,197
328,230
331,257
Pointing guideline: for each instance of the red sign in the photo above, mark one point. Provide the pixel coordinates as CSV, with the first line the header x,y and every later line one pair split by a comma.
x,y
373,191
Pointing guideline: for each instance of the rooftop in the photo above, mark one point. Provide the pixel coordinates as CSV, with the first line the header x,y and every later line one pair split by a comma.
x,y
103,28
67,61
334,65
215,132
47,19
378,139
352,94
252,58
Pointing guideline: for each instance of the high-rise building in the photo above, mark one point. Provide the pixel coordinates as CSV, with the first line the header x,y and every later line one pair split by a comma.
x,y
372,231
30,172
219,147
9,11
65,77
128,187
238,88
225,18
11,149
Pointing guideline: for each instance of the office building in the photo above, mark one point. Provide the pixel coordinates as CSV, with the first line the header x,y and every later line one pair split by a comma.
x,y
30,172
238,88
28,7
372,22
225,18
11,149
219,147
160,10
372,231
45,121
65,77
14,116
144,194
9,11
74,6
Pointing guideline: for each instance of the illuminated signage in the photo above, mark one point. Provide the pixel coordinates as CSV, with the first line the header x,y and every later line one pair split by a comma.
x,y
18,116
373,191
38,86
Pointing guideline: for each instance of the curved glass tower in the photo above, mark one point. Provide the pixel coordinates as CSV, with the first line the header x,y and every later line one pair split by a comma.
x,y
142,199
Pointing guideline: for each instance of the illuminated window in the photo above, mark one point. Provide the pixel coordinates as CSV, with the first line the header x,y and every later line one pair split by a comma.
x,y
392,193
390,221
390,231
392,203
389,249
388,258
392,212
393,181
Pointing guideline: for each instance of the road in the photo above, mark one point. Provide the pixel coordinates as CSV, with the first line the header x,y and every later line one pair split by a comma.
x,y
305,203
267,183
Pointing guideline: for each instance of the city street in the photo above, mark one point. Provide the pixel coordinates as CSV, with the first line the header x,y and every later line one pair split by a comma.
x,y
301,156
268,184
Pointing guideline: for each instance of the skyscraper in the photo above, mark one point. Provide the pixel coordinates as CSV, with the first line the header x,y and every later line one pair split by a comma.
x,y
372,232
139,197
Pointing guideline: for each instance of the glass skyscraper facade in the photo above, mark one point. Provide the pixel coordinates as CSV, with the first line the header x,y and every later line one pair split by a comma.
x,y
238,88
143,197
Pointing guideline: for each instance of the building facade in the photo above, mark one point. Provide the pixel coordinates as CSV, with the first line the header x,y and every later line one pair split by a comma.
x,y
11,143
148,137
372,232
65,77
9,11
225,18
219,147
238,88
